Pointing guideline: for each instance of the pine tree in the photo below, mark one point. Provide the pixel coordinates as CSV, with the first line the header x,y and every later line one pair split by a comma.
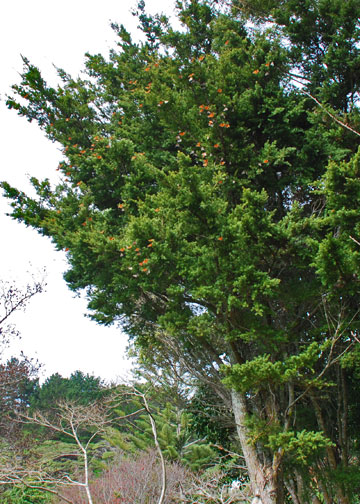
x,y
175,432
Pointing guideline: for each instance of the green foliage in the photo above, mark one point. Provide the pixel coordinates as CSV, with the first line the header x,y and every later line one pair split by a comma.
x,y
81,388
25,495
174,432
260,371
300,447
211,419
323,36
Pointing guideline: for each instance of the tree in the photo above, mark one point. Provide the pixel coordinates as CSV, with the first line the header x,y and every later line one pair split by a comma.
x,y
13,299
17,375
76,423
175,436
79,387
207,204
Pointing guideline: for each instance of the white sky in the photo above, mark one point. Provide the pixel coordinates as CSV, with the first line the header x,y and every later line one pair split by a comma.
x,y
53,328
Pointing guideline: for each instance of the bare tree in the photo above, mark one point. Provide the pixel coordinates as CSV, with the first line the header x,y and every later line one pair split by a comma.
x,y
15,372
14,299
83,425
144,401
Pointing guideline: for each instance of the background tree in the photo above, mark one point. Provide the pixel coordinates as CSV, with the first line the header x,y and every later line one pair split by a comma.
x,y
207,202
17,374
81,425
13,299
176,437
79,387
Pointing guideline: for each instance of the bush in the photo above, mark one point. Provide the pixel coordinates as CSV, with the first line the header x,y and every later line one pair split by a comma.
x,y
134,479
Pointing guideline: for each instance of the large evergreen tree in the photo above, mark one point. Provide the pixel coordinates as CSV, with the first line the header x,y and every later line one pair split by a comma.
x,y
79,388
209,201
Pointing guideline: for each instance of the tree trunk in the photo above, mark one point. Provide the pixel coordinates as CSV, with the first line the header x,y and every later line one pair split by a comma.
x,y
263,478
293,491
330,452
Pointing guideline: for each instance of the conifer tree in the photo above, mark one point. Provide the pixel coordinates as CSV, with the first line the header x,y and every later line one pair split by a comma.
x,y
175,435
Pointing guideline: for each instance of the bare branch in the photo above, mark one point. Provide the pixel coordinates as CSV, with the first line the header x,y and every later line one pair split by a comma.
x,y
333,117
353,239
157,444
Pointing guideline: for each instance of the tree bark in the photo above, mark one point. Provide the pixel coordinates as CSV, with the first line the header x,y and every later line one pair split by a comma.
x,y
263,478
330,452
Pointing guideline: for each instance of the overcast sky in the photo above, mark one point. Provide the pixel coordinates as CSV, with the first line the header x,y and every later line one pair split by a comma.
x,y
54,328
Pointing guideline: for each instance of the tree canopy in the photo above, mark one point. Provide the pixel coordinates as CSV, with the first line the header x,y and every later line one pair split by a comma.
x,y
208,203
79,387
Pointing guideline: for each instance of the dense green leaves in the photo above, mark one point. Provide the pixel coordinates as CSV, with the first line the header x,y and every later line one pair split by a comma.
x,y
175,434
78,388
